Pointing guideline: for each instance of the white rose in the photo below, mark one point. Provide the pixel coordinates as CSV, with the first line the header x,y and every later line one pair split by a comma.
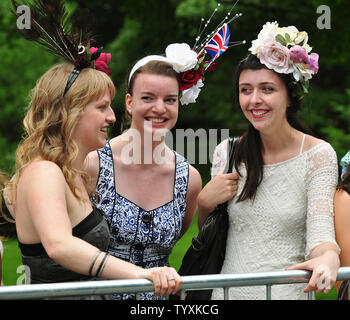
x,y
181,56
190,95
267,32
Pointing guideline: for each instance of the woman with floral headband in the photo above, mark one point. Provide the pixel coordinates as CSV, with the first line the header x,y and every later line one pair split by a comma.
x,y
282,212
147,190
62,237
342,219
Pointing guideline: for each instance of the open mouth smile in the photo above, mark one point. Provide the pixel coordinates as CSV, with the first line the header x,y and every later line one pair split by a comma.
x,y
155,120
257,114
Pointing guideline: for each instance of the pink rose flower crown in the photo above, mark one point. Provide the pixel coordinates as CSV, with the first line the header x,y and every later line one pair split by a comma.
x,y
65,38
286,50
191,63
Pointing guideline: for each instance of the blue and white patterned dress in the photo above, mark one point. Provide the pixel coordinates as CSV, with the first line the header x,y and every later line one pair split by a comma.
x,y
144,238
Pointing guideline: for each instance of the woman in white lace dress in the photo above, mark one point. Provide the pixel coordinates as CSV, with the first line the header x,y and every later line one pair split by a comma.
x,y
281,215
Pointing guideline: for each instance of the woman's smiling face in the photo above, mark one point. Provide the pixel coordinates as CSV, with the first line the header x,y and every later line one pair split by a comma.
x,y
154,102
263,98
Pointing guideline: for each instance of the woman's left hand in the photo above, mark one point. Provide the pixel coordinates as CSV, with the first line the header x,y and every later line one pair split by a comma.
x,y
324,271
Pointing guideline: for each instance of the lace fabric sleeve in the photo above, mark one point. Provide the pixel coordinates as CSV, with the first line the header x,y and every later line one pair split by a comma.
x,y
219,159
322,179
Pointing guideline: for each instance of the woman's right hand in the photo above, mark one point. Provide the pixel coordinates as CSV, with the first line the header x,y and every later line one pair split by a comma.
x,y
166,280
219,189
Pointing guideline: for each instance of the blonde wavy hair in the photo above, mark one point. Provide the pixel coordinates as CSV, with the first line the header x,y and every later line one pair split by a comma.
x,y
3,180
51,118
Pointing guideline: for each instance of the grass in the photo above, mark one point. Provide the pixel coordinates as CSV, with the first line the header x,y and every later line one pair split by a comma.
x,y
182,245
10,262
12,259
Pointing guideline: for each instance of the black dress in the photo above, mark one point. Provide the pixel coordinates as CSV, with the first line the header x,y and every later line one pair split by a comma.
x,y
93,229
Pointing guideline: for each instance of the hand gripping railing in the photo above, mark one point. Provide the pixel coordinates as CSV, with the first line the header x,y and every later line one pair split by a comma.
x,y
102,287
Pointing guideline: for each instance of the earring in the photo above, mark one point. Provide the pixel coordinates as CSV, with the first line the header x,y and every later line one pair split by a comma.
x,y
130,111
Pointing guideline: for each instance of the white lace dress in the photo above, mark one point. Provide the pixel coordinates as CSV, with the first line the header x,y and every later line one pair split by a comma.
x,y
291,214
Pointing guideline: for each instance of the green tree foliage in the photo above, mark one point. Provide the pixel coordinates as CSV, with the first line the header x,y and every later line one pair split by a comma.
x,y
131,29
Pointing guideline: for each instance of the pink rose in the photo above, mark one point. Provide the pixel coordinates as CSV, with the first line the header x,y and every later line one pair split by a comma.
x,y
298,54
313,62
275,57
101,61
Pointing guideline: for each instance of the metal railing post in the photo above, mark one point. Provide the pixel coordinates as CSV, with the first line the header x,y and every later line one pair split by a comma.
x,y
268,292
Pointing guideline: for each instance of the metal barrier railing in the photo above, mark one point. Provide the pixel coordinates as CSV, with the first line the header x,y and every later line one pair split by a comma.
x,y
102,287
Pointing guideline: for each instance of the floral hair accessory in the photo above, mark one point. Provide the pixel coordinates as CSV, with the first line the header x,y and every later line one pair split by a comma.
x,y
285,50
50,28
190,63
344,163
102,61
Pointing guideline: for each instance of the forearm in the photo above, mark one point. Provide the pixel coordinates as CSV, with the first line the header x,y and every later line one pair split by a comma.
x,y
78,255
204,209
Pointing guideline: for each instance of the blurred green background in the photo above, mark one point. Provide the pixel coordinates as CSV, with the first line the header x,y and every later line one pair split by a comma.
x,y
131,29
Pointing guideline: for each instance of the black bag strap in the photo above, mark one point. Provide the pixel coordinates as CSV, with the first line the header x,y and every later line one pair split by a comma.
x,y
232,143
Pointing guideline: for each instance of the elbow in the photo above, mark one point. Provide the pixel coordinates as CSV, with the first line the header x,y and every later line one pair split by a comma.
x,y
56,250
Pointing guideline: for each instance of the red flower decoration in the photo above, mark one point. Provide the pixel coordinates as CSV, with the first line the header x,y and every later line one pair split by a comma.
x,y
101,61
190,78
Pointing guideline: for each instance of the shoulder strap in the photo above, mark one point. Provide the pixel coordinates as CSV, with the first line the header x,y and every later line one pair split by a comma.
x,y
232,143
302,144
181,172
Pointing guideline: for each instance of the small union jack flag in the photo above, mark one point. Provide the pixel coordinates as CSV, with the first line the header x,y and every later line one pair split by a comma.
x,y
218,43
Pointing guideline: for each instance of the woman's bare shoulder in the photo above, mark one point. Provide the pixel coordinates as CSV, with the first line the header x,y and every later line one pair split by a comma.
x,y
41,173
311,142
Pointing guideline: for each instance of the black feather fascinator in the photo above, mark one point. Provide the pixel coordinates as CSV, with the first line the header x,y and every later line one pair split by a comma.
x,y
66,37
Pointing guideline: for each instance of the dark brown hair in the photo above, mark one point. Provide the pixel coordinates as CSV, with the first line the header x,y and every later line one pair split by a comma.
x,y
249,148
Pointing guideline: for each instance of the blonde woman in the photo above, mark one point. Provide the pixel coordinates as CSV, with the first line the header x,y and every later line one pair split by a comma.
x,y
61,236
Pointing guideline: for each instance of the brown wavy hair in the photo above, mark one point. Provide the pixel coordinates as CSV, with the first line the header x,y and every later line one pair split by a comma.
x,y
51,119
